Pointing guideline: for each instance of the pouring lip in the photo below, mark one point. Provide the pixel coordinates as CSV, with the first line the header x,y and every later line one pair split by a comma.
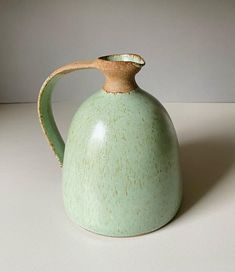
x,y
124,58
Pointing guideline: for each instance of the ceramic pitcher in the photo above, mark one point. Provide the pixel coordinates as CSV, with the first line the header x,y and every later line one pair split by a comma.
x,y
121,170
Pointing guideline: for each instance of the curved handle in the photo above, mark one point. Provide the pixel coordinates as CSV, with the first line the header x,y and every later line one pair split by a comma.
x,y
45,110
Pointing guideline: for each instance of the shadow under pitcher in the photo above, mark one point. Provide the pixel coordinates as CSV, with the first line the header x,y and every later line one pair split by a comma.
x,y
121,169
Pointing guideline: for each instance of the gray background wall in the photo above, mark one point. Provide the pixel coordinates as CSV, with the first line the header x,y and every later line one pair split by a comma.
x,y
188,45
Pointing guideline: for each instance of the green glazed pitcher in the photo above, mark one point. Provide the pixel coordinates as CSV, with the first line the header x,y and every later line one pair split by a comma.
x,y
121,170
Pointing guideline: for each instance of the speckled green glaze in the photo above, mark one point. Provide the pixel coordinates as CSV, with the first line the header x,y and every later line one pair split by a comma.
x,y
121,172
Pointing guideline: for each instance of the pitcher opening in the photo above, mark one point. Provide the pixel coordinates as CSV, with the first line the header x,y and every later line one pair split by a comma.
x,y
134,58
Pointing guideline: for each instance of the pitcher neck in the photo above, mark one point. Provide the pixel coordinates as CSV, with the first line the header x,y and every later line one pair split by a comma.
x,y
119,71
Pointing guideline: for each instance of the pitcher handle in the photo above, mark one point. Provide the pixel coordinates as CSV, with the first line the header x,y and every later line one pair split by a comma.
x,y
45,112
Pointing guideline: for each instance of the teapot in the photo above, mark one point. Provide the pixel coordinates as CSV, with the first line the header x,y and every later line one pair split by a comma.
x,y
120,163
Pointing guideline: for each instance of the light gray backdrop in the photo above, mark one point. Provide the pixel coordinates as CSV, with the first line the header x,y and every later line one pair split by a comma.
x,y
188,45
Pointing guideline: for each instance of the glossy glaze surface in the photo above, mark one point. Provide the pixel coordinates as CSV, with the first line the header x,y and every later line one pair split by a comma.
x,y
121,172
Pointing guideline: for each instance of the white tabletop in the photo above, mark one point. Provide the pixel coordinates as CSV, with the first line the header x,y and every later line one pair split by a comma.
x,y
36,235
